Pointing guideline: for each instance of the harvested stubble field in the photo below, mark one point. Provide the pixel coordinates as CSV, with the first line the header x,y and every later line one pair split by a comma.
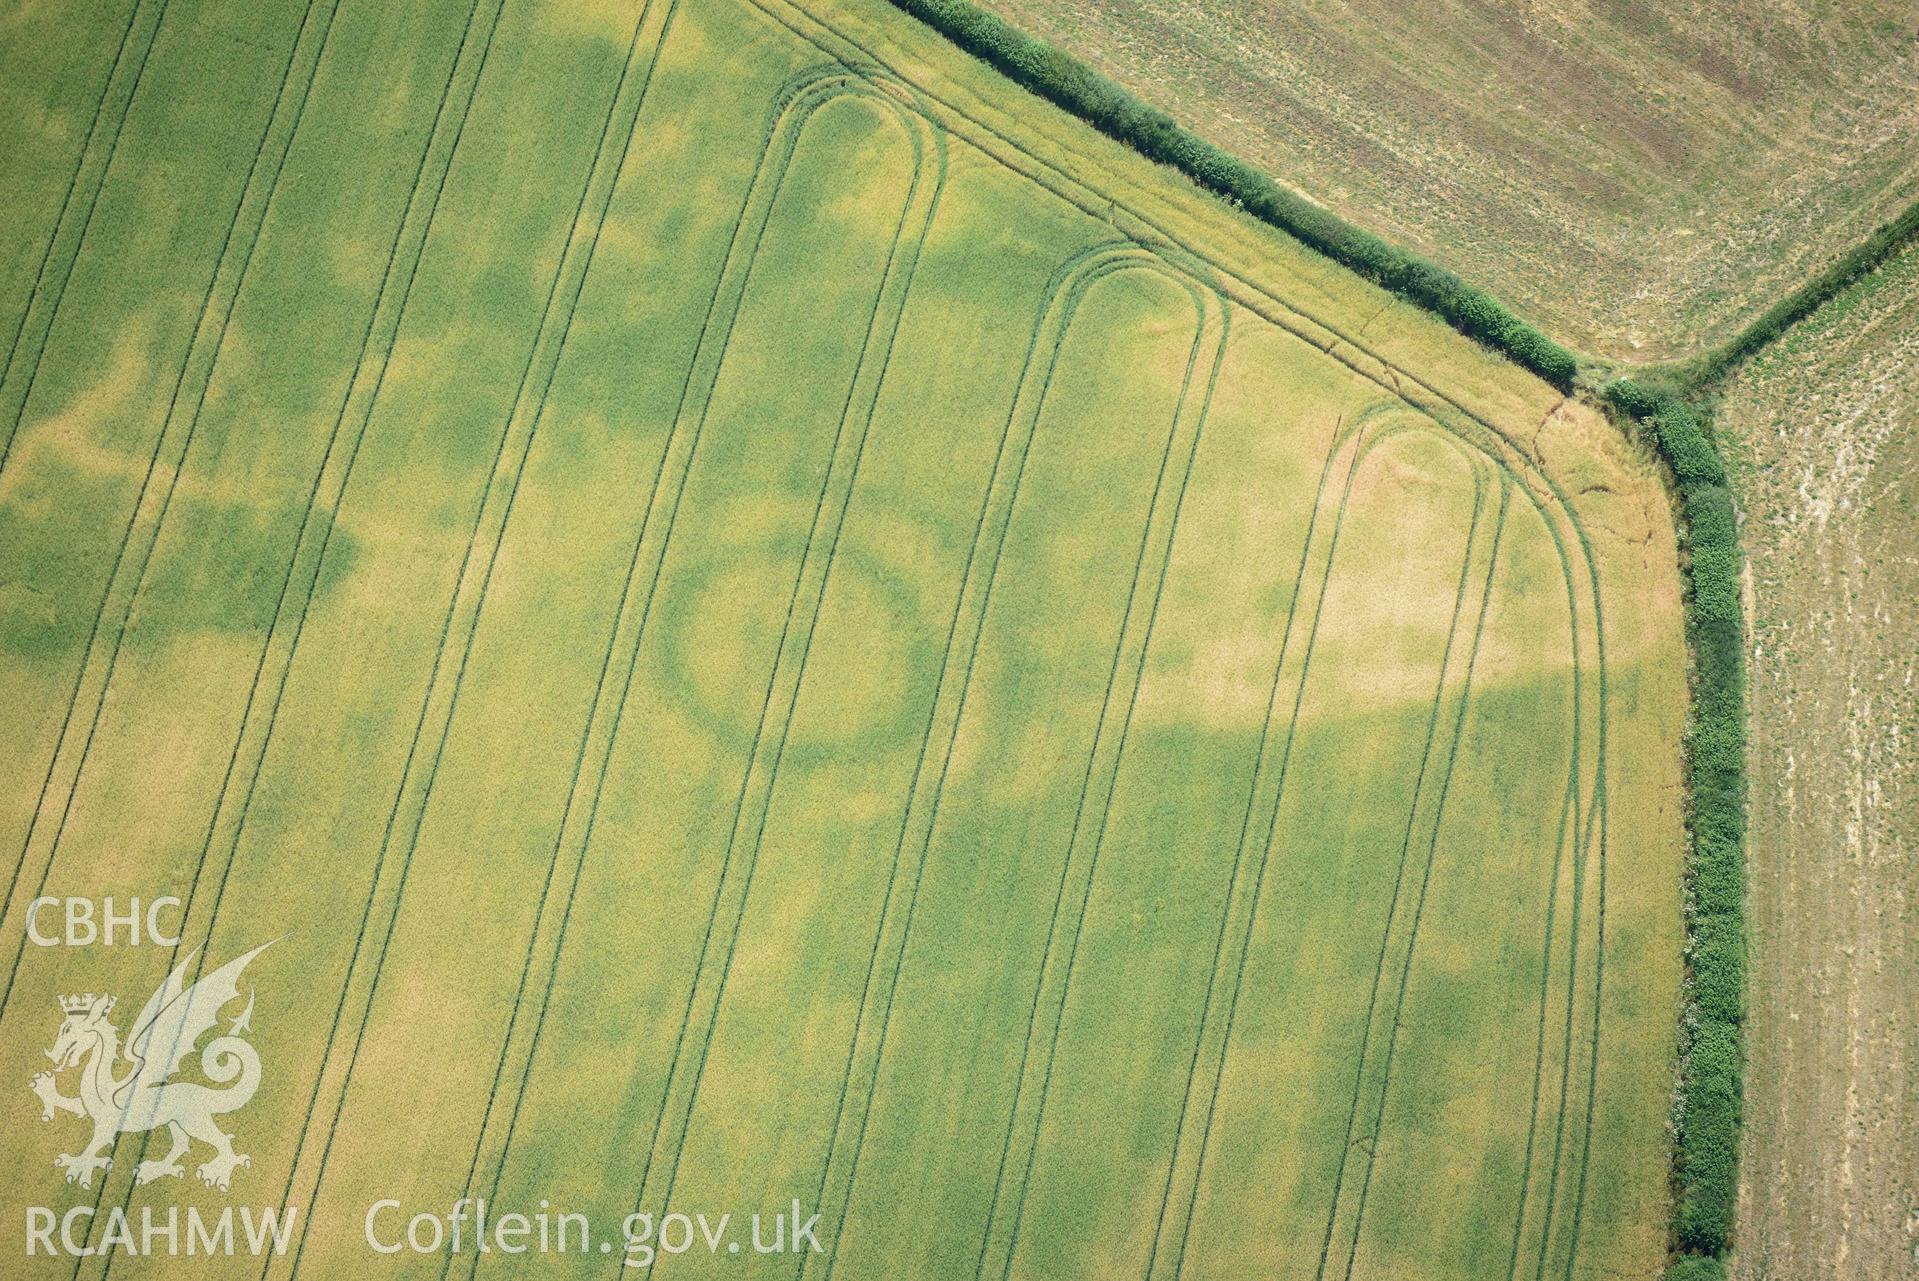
x,y
763,616
1639,181
1824,434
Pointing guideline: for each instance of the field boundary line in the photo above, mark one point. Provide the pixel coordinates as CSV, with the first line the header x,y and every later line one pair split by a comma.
x,y
247,722
1433,827
1707,1121
1075,87
582,852
1101,779
440,702
34,331
1103,206
172,440
1704,374
1182,1166
1677,437
1704,1173
919,815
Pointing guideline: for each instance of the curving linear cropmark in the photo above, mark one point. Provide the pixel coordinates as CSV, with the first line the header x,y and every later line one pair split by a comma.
x,y
797,106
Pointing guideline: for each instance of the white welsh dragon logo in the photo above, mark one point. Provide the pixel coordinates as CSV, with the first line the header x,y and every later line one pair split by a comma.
x,y
142,1097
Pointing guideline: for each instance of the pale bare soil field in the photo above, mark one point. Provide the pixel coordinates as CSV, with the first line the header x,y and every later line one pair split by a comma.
x,y
1822,432
1637,184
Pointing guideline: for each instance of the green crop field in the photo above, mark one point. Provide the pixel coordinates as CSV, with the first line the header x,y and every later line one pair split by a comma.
x,y
753,615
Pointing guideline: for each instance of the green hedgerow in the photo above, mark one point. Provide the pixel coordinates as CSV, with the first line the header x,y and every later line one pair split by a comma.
x,y
1065,81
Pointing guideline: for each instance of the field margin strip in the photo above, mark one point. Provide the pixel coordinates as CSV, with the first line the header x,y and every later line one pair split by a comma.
x,y
1706,1103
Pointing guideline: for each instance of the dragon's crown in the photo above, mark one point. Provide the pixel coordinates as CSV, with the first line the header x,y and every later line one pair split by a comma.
x,y
81,1004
